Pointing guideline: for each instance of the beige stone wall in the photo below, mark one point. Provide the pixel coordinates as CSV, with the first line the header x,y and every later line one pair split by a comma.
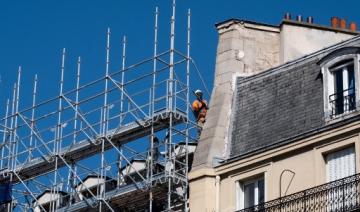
x,y
203,195
306,158
307,161
297,40
243,50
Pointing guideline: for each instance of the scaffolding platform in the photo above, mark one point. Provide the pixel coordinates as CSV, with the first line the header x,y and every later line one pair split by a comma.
x,y
87,148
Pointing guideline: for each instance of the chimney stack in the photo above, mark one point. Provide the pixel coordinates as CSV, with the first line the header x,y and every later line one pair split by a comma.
x,y
335,22
299,18
310,20
287,16
353,26
343,23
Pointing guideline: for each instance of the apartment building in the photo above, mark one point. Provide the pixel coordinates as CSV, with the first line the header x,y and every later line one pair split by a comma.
x,y
283,129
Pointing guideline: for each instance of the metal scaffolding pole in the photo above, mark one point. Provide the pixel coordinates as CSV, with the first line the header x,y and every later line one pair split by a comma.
x,y
77,98
10,155
187,107
104,121
72,178
152,108
5,134
123,60
32,123
170,164
16,117
58,136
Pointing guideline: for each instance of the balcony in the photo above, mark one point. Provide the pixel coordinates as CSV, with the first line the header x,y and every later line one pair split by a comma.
x,y
342,102
339,195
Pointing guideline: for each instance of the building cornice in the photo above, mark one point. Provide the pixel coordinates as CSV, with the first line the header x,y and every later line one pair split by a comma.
x,y
232,23
201,173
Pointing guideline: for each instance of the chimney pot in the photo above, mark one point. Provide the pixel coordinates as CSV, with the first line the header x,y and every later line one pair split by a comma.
x,y
343,23
335,22
287,16
353,26
310,20
299,18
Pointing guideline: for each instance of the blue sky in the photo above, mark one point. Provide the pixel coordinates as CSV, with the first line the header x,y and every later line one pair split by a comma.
x,y
34,32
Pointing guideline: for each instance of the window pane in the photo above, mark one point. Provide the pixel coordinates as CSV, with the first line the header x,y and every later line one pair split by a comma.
x,y
338,81
249,193
351,76
351,86
339,97
261,190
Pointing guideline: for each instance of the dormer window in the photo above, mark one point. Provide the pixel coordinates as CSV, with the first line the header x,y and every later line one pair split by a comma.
x,y
340,70
343,98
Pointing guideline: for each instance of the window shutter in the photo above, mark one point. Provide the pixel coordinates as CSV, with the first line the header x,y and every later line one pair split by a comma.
x,y
340,164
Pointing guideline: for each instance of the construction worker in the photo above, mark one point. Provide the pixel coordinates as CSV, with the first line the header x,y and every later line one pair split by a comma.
x,y
153,155
199,108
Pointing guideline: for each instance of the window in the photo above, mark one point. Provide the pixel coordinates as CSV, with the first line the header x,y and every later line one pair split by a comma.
x,y
340,164
343,98
250,193
340,76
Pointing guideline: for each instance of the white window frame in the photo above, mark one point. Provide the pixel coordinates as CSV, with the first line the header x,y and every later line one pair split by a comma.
x,y
328,81
240,191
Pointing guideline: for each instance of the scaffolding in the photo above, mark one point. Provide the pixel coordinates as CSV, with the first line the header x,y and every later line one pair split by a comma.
x,y
123,142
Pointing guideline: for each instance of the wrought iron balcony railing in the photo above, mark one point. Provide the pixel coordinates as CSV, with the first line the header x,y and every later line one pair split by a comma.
x,y
342,102
339,195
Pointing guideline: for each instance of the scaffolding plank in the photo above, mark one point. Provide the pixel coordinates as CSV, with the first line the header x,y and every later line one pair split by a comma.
x,y
87,148
112,195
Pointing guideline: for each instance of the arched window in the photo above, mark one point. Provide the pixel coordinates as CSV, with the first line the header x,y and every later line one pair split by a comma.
x,y
340,71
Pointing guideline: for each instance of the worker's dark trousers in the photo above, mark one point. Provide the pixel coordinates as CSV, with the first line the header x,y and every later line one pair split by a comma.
x,y
200,123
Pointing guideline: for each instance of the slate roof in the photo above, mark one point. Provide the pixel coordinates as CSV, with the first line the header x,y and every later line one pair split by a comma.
x,y
280,105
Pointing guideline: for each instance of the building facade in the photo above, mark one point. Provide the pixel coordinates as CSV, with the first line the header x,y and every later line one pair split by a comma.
x,y
282,132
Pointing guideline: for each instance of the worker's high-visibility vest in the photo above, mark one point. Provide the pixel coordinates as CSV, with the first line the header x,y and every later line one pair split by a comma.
x,y
199,108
